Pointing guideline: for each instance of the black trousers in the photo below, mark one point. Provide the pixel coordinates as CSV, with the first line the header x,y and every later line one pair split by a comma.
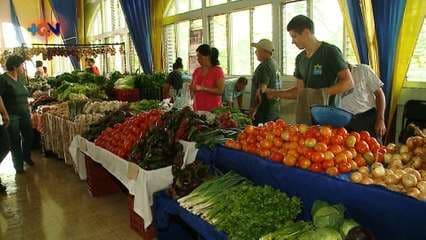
x,y
365,121
4,143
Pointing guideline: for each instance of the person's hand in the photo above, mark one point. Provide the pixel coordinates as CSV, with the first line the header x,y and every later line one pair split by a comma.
x,y
5,119
199,88
380,127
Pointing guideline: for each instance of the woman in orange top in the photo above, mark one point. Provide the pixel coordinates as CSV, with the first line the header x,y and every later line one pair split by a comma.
x,y
207,80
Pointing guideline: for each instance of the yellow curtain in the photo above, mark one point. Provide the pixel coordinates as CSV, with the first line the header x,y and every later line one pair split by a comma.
x,y
158,8
348,25
28,12
414,15
370,32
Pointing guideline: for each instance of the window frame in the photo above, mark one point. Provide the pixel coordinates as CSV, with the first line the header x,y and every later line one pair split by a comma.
x,y
206,12
122,31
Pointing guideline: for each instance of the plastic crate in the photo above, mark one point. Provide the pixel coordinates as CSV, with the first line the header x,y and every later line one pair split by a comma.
x,y
328,115
151,93
137,223
99,181
127,95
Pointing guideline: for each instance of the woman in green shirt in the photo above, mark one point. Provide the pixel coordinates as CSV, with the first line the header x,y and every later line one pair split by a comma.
x,y
15,99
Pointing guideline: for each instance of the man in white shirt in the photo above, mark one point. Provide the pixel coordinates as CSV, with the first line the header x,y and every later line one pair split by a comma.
x,y
4,138
366,101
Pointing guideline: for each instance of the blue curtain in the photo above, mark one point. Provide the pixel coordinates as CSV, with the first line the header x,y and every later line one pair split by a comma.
x,y
66,15
16,25
138,18
358,28
387,17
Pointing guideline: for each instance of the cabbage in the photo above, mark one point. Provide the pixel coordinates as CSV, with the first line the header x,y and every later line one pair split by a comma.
x,y
127,82
325,215
323,233
347,225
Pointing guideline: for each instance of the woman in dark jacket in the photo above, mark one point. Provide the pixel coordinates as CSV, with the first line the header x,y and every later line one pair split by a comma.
x,y
15,99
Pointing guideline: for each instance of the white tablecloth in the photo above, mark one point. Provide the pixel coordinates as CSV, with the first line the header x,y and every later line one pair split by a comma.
x,y
140,182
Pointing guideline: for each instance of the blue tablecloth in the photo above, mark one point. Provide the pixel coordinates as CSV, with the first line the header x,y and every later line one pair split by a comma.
x,y
389,215
165,207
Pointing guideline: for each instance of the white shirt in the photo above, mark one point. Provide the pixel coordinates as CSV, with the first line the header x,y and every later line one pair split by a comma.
x,y
361,98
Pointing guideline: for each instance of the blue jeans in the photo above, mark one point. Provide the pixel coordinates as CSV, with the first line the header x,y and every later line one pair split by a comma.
x,y
21,136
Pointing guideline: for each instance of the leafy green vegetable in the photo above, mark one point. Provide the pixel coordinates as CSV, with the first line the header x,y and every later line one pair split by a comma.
x,y
144,105
347,225
323,233
290,231
325,215
240,209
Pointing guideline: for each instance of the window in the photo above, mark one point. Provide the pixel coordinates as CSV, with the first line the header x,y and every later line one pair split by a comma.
x,y
107,15
215,2
290,51
182,40
182,6
170,47
417,69
219,39
195,40
329,27
196,4
262,27
240,43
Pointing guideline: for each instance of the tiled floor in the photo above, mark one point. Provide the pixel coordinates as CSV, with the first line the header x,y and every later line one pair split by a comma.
x,y
50,202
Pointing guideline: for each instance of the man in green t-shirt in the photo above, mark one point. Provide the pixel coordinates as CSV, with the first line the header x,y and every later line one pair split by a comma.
x,y
265,77
321,72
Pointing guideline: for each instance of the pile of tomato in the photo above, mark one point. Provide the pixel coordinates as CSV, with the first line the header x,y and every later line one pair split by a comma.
x,y
317,148
123,136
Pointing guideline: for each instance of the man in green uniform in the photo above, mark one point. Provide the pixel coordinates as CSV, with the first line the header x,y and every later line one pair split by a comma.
x,y
265,77
320,69
15,99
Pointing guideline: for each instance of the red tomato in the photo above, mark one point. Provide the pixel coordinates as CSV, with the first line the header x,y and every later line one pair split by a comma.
x,y
335,149
265,153
266,144
281,123
289,160
293,152
285,135
277,131
351,141
309,153
348,154
360,161
357,136
379,157
342,132
320,147
294,137
251,140
364,135
318,157
354,165
336,140
316,167
292,145
304,163
325,140
310,142
278,142
328,155
354,152
341,157
326,131
344,167
276,157
249,129
327,163
313,132
362,147
332,171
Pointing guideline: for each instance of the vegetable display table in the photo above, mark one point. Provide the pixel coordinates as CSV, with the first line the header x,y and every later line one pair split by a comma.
x,y
166,207
389,215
